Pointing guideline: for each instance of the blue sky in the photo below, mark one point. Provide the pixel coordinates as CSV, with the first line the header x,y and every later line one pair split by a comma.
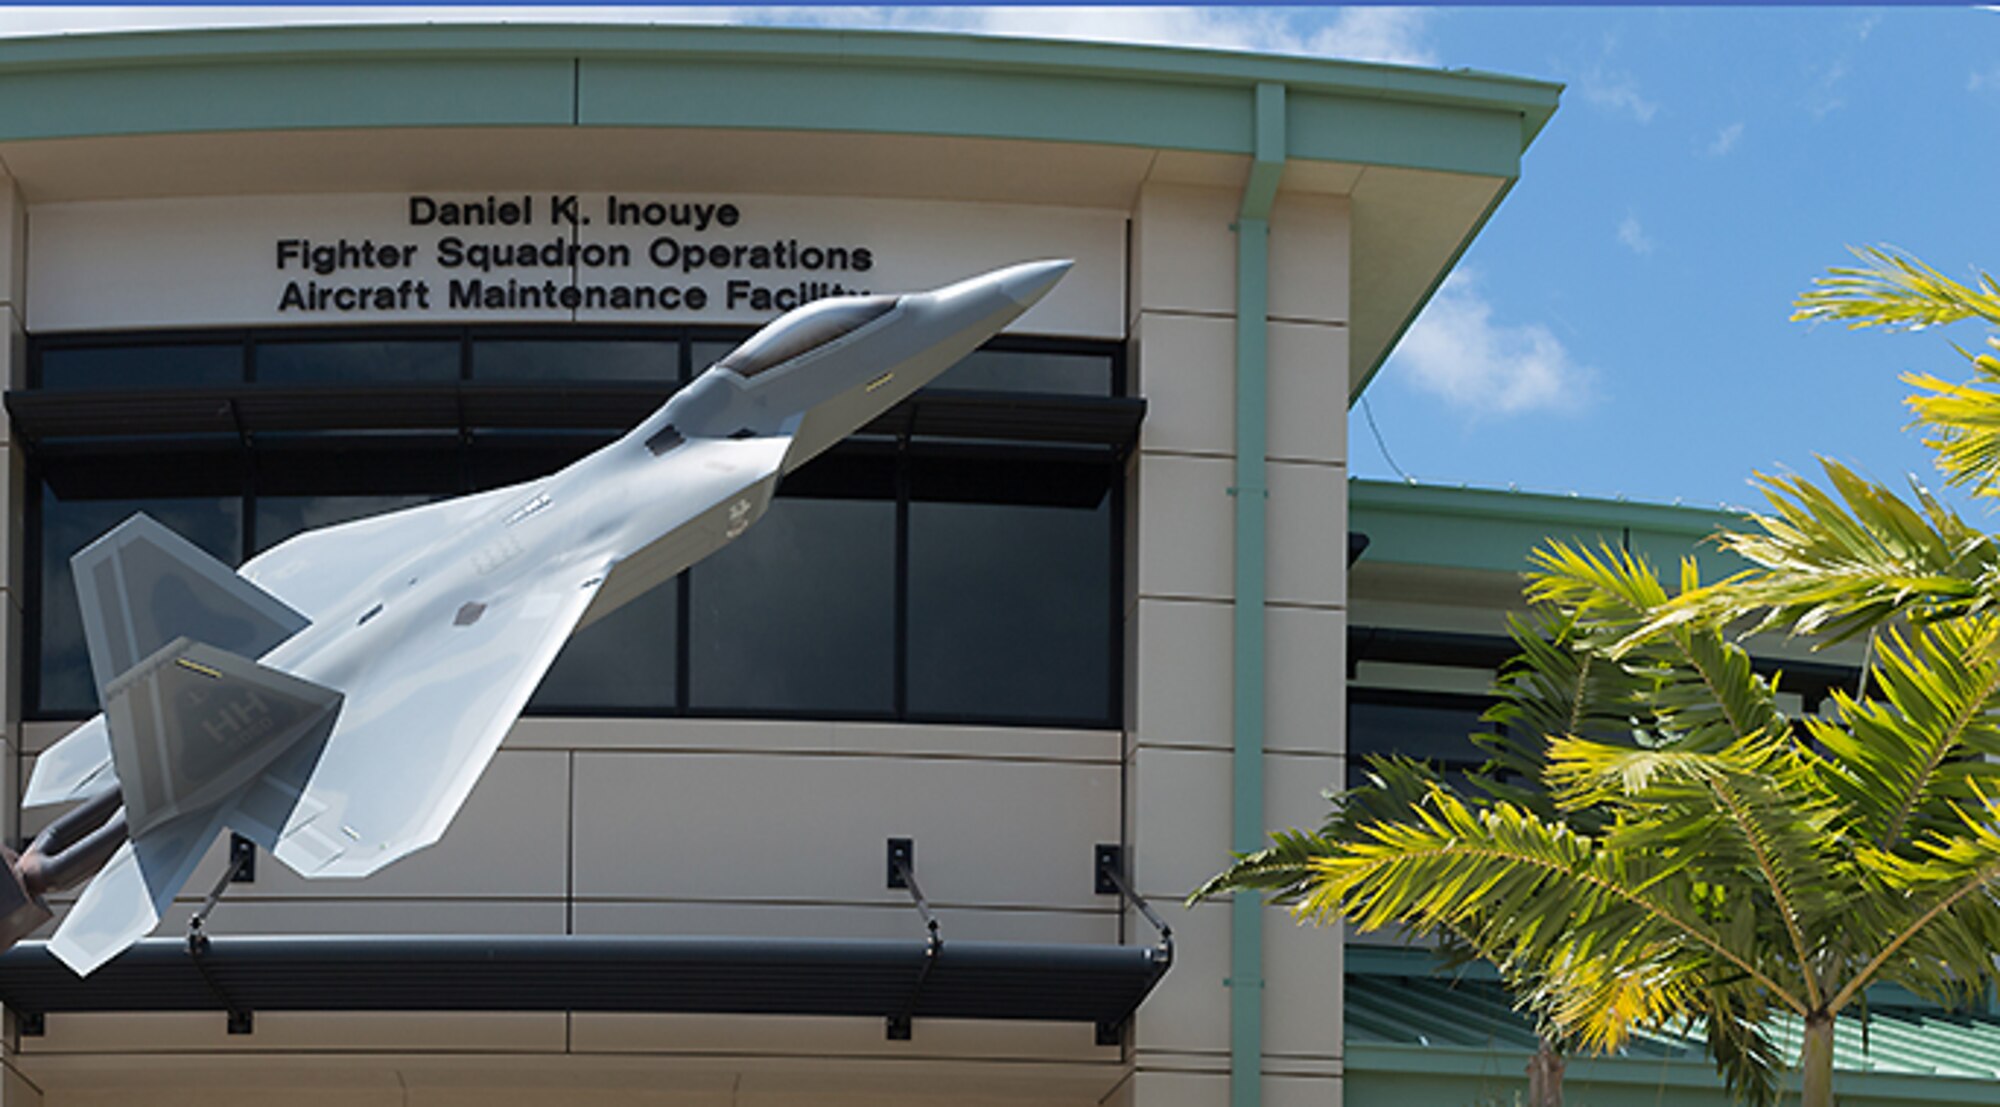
x,y
1631,296
1620,327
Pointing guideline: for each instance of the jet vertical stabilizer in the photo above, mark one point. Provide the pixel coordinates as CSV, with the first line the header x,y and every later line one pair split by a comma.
x,y
187,725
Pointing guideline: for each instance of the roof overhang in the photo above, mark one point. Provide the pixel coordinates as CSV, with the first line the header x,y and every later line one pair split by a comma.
x,y
1423,156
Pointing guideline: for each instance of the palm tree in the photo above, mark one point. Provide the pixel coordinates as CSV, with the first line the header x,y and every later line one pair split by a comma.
x,y
1680,852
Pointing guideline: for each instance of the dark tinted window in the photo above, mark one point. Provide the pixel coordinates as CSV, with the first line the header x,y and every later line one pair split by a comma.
x,y
1427,726
799,613
1024,371
426,361
1010,590
1008,560
178,365
704,352
810,327
577,360
625,661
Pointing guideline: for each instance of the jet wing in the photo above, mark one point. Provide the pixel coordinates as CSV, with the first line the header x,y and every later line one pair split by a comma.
x,y
414,736
319,568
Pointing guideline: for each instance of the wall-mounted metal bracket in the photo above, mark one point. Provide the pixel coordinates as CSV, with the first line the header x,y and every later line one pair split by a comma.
x,y
31,1024
1110,859
1112,1033
242,860
241,1020
902,854
1111,873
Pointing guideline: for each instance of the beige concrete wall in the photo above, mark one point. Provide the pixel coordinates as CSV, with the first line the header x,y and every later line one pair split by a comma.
x,y
1178,749
777,828
675,827
15,1089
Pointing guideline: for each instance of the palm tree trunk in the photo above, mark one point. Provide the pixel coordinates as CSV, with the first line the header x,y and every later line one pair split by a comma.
x,y
1816,1062
1545,1076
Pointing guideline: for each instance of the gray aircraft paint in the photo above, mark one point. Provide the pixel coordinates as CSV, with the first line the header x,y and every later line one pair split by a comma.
x,y
382,661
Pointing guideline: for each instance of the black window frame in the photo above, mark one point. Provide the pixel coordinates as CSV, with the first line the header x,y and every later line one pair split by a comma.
x,y
41,455
1373,696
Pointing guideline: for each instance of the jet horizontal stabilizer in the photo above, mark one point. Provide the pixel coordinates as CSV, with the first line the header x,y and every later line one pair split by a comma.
x,y
192,725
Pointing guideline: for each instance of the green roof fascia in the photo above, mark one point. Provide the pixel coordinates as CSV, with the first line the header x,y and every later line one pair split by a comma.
x,y
1492,530
895,82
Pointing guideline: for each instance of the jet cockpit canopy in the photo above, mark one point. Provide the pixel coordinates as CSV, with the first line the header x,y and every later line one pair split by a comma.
x,y
808,328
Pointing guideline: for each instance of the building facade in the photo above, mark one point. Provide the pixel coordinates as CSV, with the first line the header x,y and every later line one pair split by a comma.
x,y
1090,589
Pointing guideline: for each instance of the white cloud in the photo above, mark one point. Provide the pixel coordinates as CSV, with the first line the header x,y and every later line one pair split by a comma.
x,y
1616,91
1633,236
1458,352
1726,140
1362,34
1980,82
1377,34
1823,94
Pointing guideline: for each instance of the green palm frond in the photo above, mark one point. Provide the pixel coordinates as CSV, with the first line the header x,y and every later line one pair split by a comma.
x,y
1839,563
1391,788
1962,423
1543,900
1703,694
1902,763
1895,290
1555,685
1743,1053
1944,924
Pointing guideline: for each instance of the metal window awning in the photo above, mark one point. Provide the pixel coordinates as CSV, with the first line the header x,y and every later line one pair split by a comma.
x,y
887,978
248,410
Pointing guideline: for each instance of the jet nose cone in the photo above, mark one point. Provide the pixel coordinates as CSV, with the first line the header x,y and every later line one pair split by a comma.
x,y
1028,282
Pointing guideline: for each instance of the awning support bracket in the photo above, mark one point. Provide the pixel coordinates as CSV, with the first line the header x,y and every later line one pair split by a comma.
x,y
241,1020
1110,880
903,874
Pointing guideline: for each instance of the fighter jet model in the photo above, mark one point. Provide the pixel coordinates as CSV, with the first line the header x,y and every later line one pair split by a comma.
x,y
336,698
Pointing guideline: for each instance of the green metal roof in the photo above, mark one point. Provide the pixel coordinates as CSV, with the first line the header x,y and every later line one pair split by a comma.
x,y
1489,529
1444,1039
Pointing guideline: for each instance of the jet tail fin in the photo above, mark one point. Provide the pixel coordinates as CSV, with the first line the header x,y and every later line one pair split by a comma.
x,y
141,586
191,727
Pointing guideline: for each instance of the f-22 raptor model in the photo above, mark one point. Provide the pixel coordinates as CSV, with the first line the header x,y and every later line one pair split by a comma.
x,y
336,699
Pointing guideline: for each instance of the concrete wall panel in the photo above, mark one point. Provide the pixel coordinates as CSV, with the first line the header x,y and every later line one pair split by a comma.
x,y
716,826
1183,682
1185,514
1185,368
1188,1012
847,1037
1308,392
1305,656
286,1031
1309,258
819,920
1306,561
811,736
1185,251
